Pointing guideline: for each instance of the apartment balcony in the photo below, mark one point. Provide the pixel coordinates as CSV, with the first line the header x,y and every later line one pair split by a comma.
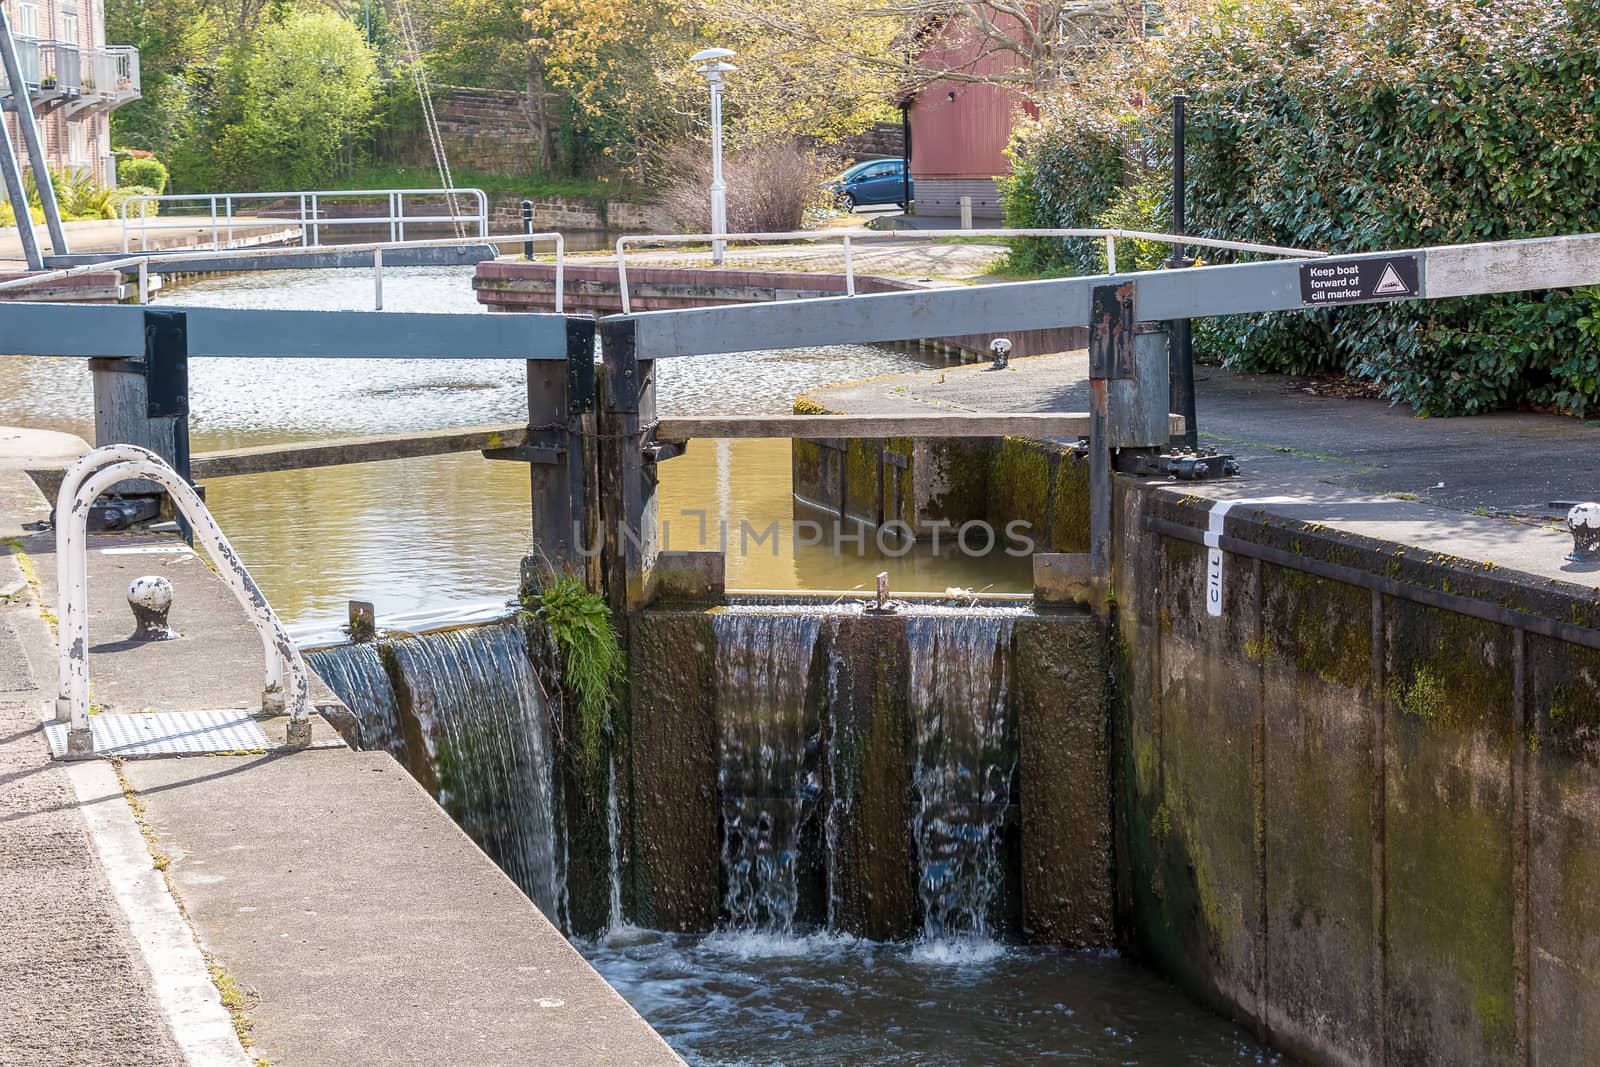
x,y
91,81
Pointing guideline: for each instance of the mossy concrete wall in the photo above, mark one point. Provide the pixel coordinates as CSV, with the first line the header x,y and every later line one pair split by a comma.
x,y
938,484
1368,826
859,867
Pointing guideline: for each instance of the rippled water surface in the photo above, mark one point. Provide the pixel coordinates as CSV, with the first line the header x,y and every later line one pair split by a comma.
x,y
447,532
750,999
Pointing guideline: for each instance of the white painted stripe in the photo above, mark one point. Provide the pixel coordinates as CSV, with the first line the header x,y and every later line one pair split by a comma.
x,y
191,1004
1219,512
149,550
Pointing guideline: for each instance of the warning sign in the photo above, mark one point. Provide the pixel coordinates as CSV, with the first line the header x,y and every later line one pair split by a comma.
x,y
1394,278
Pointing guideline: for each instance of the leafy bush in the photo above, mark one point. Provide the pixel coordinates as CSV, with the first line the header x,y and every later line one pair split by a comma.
x,y
146,171
1361,125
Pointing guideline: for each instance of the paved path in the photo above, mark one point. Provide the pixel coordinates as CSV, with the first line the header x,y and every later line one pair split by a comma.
x,y
1473,487
73,981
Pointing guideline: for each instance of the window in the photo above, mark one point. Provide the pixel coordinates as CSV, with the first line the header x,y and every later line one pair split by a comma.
x,y
28,21
77,143
69,25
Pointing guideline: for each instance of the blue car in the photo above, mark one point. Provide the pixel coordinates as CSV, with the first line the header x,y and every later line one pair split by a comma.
x,y
876,181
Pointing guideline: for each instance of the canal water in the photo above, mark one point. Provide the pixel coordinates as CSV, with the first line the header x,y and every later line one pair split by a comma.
x,y
435,536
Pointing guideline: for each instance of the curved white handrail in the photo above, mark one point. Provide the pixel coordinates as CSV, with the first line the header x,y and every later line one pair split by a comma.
x,y
92,475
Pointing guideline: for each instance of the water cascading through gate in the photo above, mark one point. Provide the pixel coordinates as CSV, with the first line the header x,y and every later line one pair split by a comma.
x,y
769,753
965,760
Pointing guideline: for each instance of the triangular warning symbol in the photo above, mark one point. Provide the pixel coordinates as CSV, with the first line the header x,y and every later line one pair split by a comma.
x,y
1389,284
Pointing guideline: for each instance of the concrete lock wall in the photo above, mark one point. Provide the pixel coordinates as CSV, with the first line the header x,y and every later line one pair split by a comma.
x,y
1058,832
1364,824
933,484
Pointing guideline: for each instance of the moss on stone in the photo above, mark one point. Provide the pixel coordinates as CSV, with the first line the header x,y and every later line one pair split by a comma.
x,y
1069,506
1019,483
1322,626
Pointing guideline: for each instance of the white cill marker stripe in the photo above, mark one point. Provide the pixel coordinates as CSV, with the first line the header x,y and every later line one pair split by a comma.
x,y
1219,512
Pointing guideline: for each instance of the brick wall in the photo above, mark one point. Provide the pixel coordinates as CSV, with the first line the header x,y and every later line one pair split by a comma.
x,y
564,213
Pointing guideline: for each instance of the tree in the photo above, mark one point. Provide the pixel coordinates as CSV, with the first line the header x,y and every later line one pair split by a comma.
x,y
622,64
487,43
305,95
849,50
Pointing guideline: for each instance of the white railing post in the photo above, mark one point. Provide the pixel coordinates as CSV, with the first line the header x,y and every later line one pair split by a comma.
x,y
316,232
849,269
392,212
400,212
116,463
216,238
622,275
227,202
561,257
483,212
1111,253
144,281
305,237
377,279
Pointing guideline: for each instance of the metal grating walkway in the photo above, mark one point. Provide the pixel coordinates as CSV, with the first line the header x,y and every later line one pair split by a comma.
x,y
165,733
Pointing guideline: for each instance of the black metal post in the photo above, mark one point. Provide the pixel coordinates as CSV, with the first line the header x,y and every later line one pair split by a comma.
x,y
527,227
905,173
166,368
1182,348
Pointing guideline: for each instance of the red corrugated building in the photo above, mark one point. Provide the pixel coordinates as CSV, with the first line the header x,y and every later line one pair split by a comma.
x,y
960,128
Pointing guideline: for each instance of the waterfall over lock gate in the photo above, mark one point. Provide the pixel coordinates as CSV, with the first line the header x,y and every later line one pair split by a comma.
x,y
463,709
357,675
768,779
965,760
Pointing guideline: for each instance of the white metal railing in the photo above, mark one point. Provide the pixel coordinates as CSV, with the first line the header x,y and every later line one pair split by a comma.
x,y
85,480
143,261
224,213
848,236
106,78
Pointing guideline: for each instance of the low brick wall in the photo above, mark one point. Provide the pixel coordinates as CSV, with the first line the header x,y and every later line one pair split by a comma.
x,y
575,213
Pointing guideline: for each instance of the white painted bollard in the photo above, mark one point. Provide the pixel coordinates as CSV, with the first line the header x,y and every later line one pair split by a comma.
x,y
1000,352
1584,522
966,212
150,597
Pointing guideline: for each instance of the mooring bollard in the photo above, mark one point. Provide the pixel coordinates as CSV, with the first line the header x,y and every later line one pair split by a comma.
x,y
150,597
1584,522
527,227
1000,349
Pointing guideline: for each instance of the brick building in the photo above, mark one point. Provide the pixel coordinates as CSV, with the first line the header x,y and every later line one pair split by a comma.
x,y
74,81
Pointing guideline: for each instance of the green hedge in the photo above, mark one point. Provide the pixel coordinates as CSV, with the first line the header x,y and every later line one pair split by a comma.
x,y
146,171
1354,125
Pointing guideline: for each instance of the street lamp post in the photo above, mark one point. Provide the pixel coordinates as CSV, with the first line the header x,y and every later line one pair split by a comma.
x,y
713,67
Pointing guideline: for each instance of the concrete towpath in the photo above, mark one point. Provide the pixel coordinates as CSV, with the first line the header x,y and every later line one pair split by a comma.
x,y
105,235
1477,488
298,907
